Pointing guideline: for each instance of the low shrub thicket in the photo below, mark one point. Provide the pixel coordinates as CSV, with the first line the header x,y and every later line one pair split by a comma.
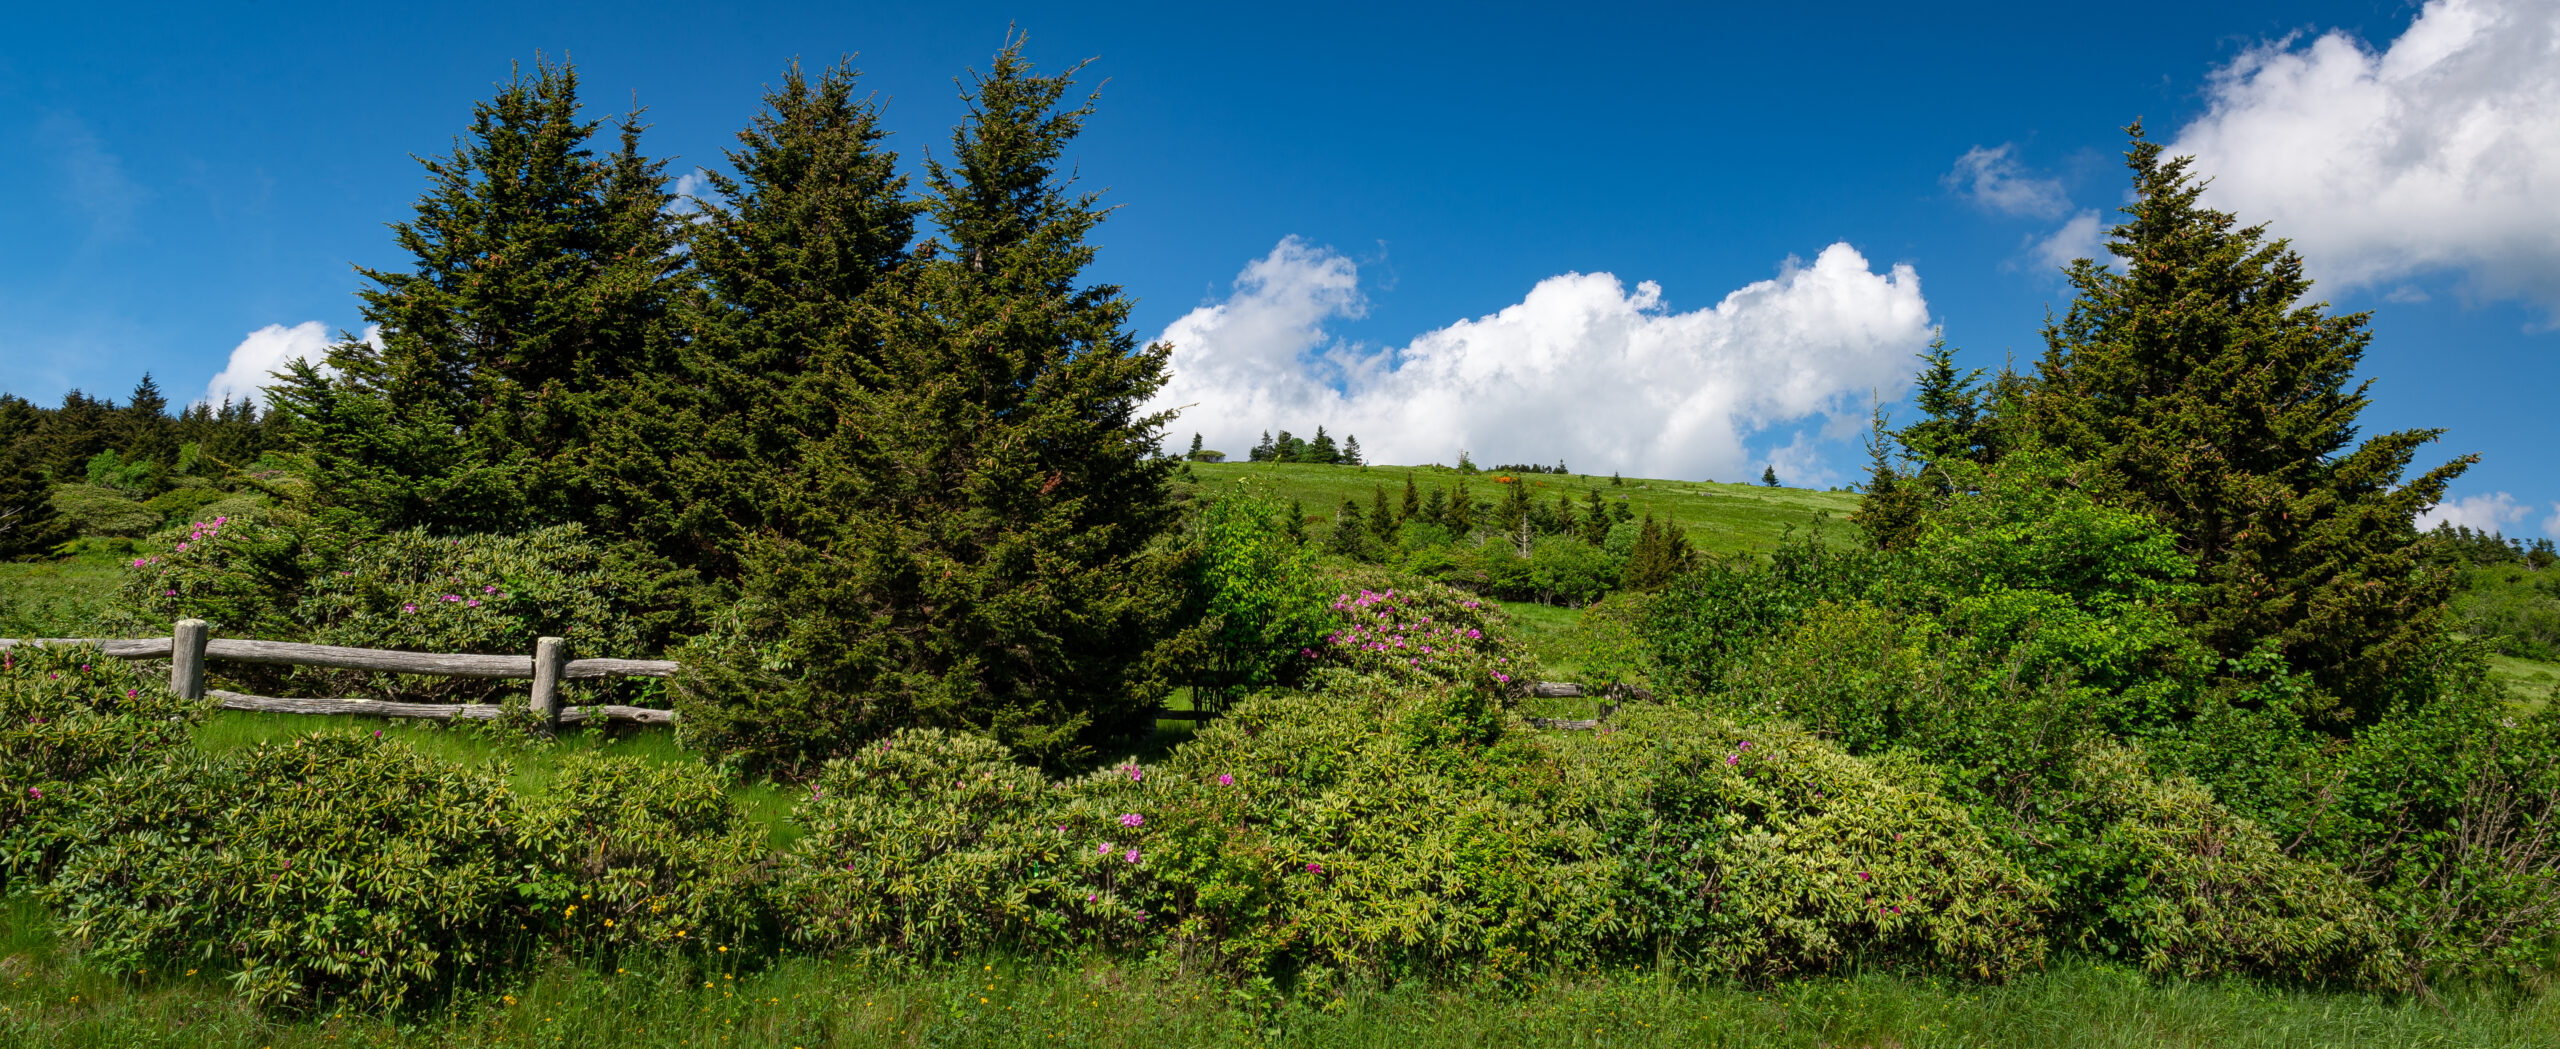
x,y
334,866
289,577
1385,827
341,866
67,714
621,852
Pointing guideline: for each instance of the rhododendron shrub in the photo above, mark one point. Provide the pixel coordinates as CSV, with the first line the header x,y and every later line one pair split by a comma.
x,y
69,713
289,578
1420,632
1394,827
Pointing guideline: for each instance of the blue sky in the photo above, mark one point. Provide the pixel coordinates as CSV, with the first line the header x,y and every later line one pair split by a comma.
x,y
1806,187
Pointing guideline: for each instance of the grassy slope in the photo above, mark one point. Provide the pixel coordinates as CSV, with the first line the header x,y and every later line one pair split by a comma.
x,y
2531,684
54,598
1720,518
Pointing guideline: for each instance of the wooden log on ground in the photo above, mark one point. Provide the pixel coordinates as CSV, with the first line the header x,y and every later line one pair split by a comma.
x,y
120,648
1569,690
609,711
580,669
385,660
379,708
1567,724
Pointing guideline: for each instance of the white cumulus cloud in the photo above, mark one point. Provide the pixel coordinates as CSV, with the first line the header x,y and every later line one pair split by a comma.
x,y
2440,152
2492,512
1581,368
268,350
1992,178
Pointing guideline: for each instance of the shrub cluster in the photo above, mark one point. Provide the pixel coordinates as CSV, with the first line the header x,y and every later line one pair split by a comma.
x,y
1411,827
289,577
68,714
341,866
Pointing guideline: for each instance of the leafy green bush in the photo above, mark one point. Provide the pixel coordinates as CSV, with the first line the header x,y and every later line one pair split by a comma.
x,y
1417,631
88,509
1258,597
1764,851
929,841
68,714
294,578
2169,875
624,851
333,866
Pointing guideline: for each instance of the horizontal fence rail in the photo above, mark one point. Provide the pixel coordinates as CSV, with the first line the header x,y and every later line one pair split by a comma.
x,y
190,645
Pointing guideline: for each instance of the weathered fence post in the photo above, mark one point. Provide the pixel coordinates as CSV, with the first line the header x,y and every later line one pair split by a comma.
x,y
550,664
186,658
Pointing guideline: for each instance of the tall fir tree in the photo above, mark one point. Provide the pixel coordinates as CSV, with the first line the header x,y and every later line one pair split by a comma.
x,y
971,548
1382,520
1351,451
539,279
788,248
1321,449
2208,391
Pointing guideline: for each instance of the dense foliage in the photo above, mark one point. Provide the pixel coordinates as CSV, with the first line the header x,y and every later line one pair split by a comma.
x,y
293,577
67,714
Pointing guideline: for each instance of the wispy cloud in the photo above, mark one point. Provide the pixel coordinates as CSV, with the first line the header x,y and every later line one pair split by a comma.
x,y
1993,178
2080,238
89,177
2492,512
1581,368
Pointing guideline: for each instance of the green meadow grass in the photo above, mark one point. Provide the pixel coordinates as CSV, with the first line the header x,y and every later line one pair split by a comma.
x,y
2530,684
49,997
1720,518
58,598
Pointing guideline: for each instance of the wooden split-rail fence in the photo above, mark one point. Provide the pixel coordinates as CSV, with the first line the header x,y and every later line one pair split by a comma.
x,y
192,643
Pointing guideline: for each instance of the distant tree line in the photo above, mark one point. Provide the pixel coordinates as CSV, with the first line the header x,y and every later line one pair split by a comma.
x,y
94,466
1288,448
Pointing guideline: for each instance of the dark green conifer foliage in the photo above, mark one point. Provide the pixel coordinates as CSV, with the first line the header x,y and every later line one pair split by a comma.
x,y
970,547
1595,518
1321,449
1382,521
1351,451
28,526
1661,554
2210,394
787,250
539,280
1350,535
1412,504
1769,476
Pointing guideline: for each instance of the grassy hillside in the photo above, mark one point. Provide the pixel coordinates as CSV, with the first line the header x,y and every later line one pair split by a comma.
x,y
55,598
1720,518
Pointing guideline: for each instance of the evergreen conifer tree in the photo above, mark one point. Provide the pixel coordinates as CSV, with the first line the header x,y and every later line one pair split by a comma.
x,y
1350,535
789,246
1351,451
540,275
2208,392
1196,447
1264,451
1321,449
28,526
1769,476
1595,518
1412,504
1382,521
971,549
